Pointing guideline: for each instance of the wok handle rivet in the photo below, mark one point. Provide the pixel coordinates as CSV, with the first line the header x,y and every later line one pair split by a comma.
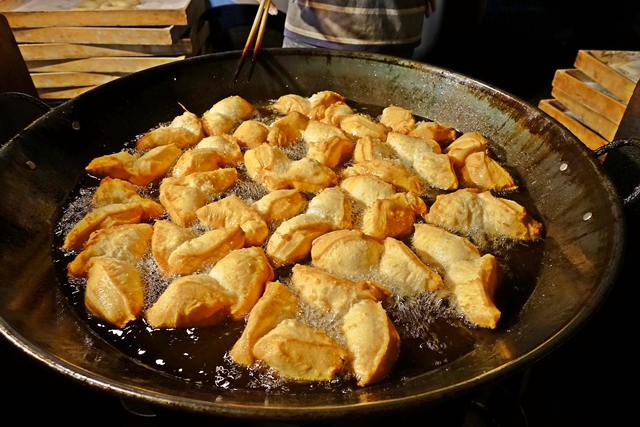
x,y
587,216
75,126
564,167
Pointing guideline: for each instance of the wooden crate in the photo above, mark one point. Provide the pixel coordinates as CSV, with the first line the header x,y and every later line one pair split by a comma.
x,y
559,112
69,51
616,71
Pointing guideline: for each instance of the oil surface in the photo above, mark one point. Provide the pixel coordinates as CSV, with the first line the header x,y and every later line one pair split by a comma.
x,y
431,330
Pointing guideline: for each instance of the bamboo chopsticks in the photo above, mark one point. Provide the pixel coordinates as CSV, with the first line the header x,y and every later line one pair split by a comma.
x,y
261,20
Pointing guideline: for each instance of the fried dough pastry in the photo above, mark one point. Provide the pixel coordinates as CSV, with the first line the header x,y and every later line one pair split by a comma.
x,y
335,112
114,290
372,341
366,189
251,133
99,218
469,211
305,174
196,160
114,191
393,216
320,101
436,170
205,250
368,148
126,243
190,301
387,170
183,196
334,206
481,171
359,126
314,107
184,131
139,170
276,304
233,211
468,143
292,239
227,147
439,248
243,273
473,283
408,148
327,143
398,119
225,114
298,351
439,132
265,160
403,270
166,238
348,253
292,102
287,129
331,294
280,205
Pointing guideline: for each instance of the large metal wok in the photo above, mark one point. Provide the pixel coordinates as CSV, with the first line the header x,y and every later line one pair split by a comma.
x,y
570,193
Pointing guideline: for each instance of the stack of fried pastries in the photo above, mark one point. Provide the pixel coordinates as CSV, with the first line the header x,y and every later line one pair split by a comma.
x,y
296,211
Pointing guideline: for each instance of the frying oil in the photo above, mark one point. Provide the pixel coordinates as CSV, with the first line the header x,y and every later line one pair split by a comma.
x,y
431,328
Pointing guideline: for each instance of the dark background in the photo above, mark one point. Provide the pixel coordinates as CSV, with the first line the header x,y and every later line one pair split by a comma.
x,y
515,46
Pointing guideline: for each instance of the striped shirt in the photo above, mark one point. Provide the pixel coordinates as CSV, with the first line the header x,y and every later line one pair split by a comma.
x,y
366,25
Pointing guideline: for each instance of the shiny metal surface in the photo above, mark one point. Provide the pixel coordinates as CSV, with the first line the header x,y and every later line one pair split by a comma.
x,y
580,262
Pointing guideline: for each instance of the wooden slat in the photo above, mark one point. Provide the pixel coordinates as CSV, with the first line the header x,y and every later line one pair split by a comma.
x,y
100,65
66,80
603,74
51,51
589,93
63,93
556,110
596,121
50,14
101,35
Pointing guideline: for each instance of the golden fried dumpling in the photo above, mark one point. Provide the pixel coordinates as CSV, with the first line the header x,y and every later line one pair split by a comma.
x,y
320,101
348,253
387,170
393,216
333,205
227,147
300,352
403,270
251,133
359,126
440,248
473,284
327,143
436,170
118,165
287,129
471,212
190,301
276,304
99,218
265,160
372,341
225,114
114,290
292,102
481,171
365,189
123,242
196,160
468,143
183,196
205,250
113,191
398,119
233,211
243,273
166,238
408,148
292,239
337,111
439,132
280,205
368,148
331,294
184,131
305,174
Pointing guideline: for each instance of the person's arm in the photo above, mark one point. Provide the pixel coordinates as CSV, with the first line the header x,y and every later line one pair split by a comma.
x,y
429,8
